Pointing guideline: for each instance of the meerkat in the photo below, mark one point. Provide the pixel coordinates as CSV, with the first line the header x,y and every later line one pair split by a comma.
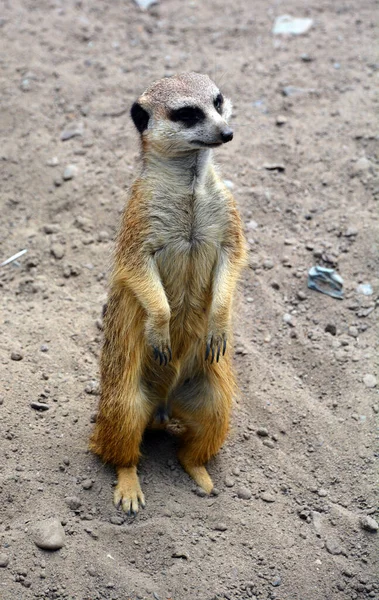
x,y
180,251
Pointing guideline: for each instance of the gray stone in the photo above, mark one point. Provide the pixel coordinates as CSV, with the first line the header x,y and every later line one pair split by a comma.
x,y
267,497
73,130
251,225
49,534
268,264
244,493
87,484
370,381
115,520
288,320
288,25
70,172
262,431
145,4
229,482
332,546
53,162
365,289
51,228
73,502
220,527
269,443
281,120
16,355
41,406
292,90
58,251
360,167
4,560
179,553
351,232
369,524
353,331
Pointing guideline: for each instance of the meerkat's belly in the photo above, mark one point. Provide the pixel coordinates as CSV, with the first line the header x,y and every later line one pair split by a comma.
x,y
186,269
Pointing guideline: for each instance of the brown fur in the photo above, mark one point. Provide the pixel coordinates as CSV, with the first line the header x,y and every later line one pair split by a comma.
x,y
179,254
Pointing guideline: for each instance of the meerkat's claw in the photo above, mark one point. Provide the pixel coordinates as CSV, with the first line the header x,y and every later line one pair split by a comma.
x,y
216,346
165,356
128,493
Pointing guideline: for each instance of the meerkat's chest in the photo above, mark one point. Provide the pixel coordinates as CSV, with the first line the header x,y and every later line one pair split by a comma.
x,y
188,222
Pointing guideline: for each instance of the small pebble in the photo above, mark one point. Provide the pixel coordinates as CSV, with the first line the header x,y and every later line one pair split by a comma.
x,y
53,162
58,251
368,523
17,356
115,520
267,497
262,432
269,443
332,546
50,228
276,581
365,289
220,527
370,381
73,130
288,320
73,502
281,120
244,493
353,331
87,484
49,534
268,264
351,232
180,554
70,172
41,406
331,328
4,560
229,482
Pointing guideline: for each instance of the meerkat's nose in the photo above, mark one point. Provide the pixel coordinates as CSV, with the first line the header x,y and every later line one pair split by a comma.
x,y
226,135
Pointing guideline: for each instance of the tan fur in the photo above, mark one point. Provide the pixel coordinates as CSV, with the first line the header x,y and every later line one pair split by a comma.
x,y
179,254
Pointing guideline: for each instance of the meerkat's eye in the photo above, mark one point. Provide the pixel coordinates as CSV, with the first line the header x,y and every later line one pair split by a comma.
x,y
218,102
188,115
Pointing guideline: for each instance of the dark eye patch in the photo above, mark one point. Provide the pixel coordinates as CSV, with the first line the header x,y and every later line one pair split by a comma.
x,y
218,102
188,115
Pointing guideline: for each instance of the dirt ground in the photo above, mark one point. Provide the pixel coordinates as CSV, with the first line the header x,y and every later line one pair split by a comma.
x,y
297,474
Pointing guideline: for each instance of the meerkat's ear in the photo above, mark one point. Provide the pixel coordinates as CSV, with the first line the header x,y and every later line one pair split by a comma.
x,y
140,117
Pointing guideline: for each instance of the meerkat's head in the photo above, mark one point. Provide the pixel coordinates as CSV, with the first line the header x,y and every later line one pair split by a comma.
x,y
181,114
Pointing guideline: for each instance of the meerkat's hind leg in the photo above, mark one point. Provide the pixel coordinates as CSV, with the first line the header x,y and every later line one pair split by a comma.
x,y
203,405
128,491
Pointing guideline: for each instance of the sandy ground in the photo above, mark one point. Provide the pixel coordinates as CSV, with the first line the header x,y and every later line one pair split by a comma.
x,y
286,523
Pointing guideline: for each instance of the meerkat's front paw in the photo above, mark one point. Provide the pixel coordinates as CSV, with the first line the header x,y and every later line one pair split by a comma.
x,y
215,346
128,491
158,337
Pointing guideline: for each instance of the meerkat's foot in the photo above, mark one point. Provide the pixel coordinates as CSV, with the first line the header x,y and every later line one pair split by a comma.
x,y
200,476
128,491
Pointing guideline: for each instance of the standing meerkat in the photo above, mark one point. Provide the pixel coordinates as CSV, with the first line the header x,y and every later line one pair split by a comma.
x,y
179,254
